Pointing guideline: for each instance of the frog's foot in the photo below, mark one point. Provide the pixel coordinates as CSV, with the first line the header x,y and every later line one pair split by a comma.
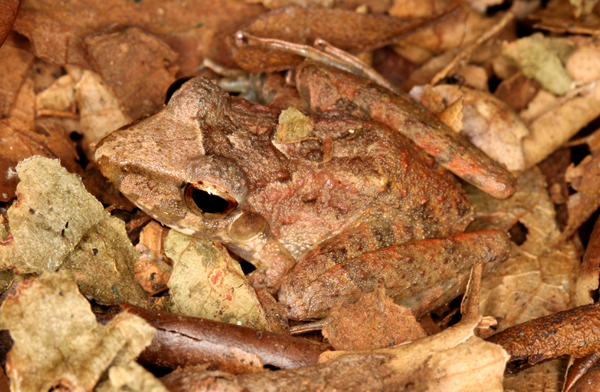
x,y
407,270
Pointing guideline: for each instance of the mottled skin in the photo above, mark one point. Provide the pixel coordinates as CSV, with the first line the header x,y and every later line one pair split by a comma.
x,y
351,173
342,200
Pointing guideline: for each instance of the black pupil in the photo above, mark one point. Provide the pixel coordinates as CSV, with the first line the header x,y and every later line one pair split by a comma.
x,y
209,203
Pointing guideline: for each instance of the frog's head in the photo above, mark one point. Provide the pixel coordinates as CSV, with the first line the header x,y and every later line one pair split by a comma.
x,y
184,167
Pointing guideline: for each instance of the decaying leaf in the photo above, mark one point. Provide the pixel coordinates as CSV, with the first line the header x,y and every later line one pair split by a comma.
x,y
585,179
100,110
557,16
206,282
153,269
58,343
60,96
182,341
195,30
102,263
589,275
293,126
497,214
548,377
136,66
539,59
8,14
130,377
488,123
44,227
56,224
15,64
344,29
453,360
373,322
538,279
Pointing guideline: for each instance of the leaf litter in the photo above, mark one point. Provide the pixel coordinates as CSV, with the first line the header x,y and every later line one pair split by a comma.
x,y
550,81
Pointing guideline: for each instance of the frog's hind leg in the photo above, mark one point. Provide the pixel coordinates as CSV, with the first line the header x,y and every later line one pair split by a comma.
x,y
313,286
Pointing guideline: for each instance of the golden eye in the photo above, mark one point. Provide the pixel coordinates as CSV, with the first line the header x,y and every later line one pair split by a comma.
x,y
208,201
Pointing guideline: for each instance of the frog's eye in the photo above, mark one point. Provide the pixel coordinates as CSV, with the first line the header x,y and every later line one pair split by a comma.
x,y
208,201
174,87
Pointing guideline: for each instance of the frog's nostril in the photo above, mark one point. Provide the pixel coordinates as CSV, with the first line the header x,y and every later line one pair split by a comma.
x,y
208,201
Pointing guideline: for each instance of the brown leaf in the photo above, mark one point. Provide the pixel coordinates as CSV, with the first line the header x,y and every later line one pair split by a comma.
x,y
574,332
188,341
347,30
538,279
194,30
517,90
99,109
579,368
135,65
53,351
8,14
489,124
585,179
589,275
558,17
589,382
373,6
15,65
374,322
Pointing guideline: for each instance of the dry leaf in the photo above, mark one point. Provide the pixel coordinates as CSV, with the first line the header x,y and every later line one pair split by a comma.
x,y
547,377
538,279
538,58
374,6
8,14
14,66
374,322
585,179
517,91
51,350
194,30
60,96
293,126
589,275
488,123
100,110
135,65
130,377
103,265
53,213
557,16
347,30
206,282
491,213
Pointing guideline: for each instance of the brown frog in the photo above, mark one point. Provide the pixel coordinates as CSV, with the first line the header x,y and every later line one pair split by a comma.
x,y
208,165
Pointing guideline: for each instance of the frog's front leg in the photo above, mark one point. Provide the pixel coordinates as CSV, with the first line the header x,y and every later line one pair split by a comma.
x,y
250,237
324,277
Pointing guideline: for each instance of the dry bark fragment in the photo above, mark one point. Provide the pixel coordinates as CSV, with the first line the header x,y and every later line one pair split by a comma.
x,y
136,66
188,341
574,332
326,88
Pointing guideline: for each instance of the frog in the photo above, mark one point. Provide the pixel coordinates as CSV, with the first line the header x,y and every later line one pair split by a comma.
x,y
212,165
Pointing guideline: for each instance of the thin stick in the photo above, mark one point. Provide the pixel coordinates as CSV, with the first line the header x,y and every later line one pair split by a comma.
x,y
469,49
331,56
